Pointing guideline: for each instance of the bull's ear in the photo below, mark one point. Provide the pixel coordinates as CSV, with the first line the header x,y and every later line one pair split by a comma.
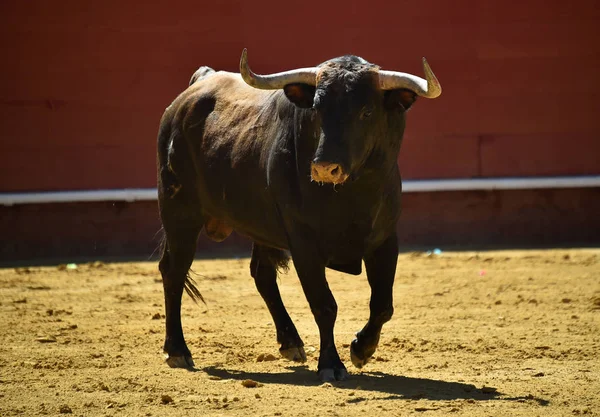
x,y
302,95
400,98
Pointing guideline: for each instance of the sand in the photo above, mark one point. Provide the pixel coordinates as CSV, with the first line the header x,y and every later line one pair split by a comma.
x,y
507,333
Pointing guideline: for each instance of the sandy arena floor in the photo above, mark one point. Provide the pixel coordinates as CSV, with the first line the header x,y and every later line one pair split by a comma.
x,y
506,333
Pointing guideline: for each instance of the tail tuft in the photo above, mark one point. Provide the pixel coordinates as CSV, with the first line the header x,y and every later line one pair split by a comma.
x,y
192,290
280,259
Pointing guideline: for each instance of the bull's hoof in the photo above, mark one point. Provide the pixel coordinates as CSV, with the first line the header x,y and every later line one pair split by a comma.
x,y
333,375
296,354
356,361
359,359
180,362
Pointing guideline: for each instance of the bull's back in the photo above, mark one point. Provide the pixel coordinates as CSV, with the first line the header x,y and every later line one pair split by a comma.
x,y
228,129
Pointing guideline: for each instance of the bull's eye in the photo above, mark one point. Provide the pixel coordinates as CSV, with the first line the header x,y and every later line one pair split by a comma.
x,y
365,114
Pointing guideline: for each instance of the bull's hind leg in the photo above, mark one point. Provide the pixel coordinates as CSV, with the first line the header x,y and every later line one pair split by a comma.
x,y
182,223
263,268
381,269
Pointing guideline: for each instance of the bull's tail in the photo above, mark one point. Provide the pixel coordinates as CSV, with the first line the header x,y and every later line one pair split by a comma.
x,y
201,73
192,290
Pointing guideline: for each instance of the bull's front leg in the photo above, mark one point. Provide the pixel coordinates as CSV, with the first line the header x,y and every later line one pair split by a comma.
x,y
310,267
381,269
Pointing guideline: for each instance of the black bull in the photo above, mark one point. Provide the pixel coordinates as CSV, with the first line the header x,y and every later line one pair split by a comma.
x,y
303,161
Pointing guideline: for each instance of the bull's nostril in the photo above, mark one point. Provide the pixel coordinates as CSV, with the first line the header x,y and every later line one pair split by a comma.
x,y
327,172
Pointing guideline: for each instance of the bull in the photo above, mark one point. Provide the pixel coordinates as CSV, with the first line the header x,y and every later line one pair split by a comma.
x,y
304,163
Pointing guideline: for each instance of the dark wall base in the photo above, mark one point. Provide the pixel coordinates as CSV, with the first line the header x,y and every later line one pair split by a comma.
x,y
75,231
513,218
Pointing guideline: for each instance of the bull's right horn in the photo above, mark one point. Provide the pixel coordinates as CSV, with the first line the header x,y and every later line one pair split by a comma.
x,y
429,87
277,80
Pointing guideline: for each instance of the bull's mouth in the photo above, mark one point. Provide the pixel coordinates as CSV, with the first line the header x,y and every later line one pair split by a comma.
x,y
327,172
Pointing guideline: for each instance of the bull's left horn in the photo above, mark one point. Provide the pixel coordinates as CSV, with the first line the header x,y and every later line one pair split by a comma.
x,y
277,80
429,87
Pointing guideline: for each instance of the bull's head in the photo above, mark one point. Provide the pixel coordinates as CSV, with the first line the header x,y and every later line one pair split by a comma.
x,y
353,100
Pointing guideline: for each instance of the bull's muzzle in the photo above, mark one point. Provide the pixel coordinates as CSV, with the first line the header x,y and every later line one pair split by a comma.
x,y
328,172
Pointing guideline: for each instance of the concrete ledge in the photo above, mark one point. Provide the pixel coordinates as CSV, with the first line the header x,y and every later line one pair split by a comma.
x,y
409,186
95,230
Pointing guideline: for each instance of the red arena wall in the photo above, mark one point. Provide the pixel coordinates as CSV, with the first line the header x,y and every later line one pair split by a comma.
x,y
84,84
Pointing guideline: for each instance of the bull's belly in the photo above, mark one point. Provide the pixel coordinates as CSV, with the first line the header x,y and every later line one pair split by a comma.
x,y
263,229
344,260
344,255
218,230
338,249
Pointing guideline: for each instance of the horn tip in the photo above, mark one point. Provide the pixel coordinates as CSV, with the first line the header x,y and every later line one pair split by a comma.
x,y
244,61
245,71
432,81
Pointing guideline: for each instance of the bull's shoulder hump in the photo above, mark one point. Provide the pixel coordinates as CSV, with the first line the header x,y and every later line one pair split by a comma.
x,y
229,85
218,80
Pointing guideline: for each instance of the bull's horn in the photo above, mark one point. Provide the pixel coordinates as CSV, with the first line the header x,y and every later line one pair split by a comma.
x,y
429,88
278,80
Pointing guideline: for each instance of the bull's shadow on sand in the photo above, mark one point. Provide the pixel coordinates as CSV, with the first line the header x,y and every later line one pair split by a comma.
x,y
398,387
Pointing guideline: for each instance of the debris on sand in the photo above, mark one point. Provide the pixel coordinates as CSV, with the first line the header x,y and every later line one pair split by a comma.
x,y
46,339
266,357
65,409
166,399
38,287
421,409
250,383
436,252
